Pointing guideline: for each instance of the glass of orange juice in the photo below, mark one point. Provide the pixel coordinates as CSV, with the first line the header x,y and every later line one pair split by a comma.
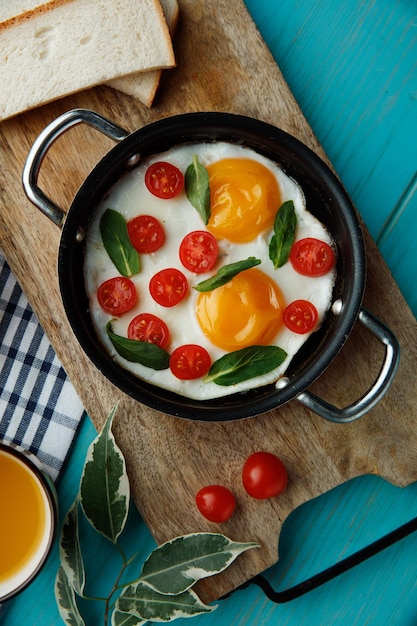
x,y
28,518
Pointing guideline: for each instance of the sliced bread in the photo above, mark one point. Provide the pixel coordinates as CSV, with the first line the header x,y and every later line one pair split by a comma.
x,y
63,46
143,85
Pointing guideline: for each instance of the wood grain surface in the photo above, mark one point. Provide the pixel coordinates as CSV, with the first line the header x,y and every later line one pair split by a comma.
x,y
223,65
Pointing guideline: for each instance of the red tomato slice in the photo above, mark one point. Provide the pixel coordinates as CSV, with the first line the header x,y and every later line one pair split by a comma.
x,y
300,316
264,475
117,295
168,287
198,251
148,327
312,257
189,361
164,180
216,503
145,233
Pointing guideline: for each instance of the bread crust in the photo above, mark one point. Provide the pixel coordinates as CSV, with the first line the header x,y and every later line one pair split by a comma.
x,y
30,13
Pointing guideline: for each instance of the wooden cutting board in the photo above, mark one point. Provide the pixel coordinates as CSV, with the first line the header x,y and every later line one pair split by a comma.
x,y
223,65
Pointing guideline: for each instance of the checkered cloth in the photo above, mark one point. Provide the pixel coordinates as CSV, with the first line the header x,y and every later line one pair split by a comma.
x,y
39,408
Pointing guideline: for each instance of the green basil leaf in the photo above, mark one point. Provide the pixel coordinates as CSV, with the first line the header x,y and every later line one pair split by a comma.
x,y
104,487
148,354
116,241
234,367
226,273
284,233
197,188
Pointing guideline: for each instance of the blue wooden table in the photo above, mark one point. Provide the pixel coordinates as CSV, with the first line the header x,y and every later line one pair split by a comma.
x,y
353,69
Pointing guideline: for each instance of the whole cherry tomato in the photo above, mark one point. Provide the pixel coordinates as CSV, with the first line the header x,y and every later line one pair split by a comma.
x,y
189,361
264,475
312,257
164,180
300,316
117,295
216,503
198,251
145,233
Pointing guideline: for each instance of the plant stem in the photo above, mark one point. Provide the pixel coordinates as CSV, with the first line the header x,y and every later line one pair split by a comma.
x,y
95,598
126,563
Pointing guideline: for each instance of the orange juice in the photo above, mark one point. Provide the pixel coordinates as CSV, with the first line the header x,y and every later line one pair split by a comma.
x,y
26,520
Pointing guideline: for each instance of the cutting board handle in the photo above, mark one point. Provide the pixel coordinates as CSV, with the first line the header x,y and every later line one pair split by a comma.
x,y
378,388
41,146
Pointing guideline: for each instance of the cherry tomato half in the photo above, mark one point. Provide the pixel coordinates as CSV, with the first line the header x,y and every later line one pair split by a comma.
x,y
216,503
168,287
150,328
117,295
189,361
198,251
312,257
164,180
264,475
145,233
300,316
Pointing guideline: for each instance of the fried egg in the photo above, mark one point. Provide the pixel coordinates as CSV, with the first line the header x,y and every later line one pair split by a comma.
x,y
244,199
246,191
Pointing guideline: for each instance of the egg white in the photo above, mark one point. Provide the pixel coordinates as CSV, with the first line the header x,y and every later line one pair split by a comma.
x,y
131,198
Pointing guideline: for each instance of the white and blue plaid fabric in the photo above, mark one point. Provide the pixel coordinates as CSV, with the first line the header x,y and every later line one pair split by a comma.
x,y
39,408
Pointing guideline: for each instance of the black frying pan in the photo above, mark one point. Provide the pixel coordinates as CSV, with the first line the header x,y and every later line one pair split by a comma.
x,y
326,199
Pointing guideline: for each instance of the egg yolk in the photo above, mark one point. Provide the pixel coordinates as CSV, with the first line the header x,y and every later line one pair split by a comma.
x,y
245,197
246,311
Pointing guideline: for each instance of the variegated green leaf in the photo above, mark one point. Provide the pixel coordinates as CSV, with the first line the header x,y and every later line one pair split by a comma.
x,y
65,598
146,603
104,486
119,618
177,565
70,551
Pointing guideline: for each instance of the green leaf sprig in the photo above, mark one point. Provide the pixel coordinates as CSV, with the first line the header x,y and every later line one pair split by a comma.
x,y
226,273
135,351
197,188
234,367
162,591
284,232
116,241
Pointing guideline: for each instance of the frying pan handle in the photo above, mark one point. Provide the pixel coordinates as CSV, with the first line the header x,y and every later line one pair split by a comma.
x,y
376,391
41,146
